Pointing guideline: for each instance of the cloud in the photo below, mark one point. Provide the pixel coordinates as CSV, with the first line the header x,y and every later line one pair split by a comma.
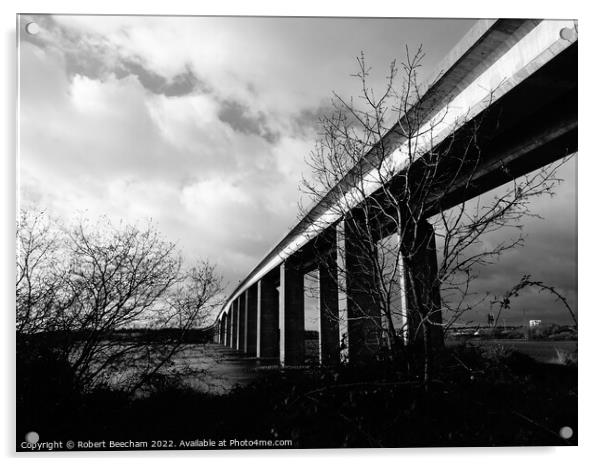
x,y
116,147
242,119
203,124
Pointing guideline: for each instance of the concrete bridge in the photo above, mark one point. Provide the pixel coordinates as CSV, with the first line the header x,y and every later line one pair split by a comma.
x,y
525,70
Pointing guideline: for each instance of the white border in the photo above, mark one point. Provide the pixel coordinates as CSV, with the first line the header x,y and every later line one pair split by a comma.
x,y
590,170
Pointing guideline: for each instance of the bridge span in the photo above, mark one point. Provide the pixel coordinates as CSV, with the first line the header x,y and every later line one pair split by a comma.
x,y
523,70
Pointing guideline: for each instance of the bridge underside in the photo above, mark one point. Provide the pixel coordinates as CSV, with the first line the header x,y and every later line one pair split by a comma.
x,y
531,126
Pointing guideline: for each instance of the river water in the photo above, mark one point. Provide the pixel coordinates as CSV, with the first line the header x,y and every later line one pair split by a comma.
x,y
215,369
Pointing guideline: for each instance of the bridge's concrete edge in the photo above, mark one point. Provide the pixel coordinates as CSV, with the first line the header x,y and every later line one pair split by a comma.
x,y
451,61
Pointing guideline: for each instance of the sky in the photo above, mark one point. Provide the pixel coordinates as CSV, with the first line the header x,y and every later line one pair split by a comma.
x,y
203,124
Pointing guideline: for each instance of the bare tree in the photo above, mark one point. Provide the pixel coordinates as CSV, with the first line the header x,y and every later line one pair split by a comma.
x,y
79,288
526,281
388,164
188,305
40,279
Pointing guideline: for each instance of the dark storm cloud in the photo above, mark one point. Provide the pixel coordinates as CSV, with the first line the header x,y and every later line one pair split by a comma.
x,y
149,79
181,84
309,119
86,55
240,119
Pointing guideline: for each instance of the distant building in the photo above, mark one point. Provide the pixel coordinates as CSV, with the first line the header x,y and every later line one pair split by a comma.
x,y
534,323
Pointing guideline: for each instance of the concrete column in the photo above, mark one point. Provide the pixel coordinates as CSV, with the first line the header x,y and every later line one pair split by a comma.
x,y
267,316
292,325
234,342
342,292
363,311
237,318
404,324
223,328
251,321
329,301
420,274
242,319
229,327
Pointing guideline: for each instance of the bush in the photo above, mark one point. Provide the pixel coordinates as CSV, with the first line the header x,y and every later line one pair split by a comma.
x,y
566,358
480,398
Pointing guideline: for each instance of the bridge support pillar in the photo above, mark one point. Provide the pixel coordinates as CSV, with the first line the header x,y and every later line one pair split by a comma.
x,y
342,293
420,274
222,323
292,325
242,317
233,343
329,300
228,328
251,320
267,316
363,310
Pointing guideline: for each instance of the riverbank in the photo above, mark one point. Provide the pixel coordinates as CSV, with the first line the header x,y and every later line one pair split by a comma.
x,y
476,398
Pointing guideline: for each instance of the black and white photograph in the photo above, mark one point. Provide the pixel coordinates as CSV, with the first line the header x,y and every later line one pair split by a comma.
x,y
295,232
